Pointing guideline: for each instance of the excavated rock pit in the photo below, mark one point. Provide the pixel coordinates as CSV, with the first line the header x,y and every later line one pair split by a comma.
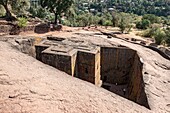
x,y
120,70
121,73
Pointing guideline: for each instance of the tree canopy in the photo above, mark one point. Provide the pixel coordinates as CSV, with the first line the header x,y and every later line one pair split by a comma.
x,y
5,4
14,6
139,7
56,6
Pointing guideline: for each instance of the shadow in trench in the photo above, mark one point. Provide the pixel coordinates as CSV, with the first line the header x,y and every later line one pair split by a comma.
x,y
121,73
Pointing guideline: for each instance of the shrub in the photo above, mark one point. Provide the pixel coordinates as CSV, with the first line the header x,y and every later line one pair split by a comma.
x,y
144,24
124,22
147,33
82,20
96,19
167,37
151,31
159,36
152,18
122,25
167,40
107,23
22,22
66,22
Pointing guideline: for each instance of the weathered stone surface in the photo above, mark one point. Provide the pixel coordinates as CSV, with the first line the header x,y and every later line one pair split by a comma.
x,y
42,28
165,50
155,76
75,57
136,85
15,30
60,58
33,87
116,63
119,65
5,29
155,81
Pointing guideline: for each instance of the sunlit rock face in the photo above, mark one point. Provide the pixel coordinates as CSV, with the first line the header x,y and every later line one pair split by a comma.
x,y
117,69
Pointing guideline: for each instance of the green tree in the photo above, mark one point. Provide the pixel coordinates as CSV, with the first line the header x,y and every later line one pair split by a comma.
x,y
152,18
159,36
83,20
20,7
71,16
56,6
115,19
40,12
144,24
5,4
14,6
167,37
124,22
150,32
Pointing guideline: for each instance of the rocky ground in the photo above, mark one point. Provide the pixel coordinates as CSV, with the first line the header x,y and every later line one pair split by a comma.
x,y
29,86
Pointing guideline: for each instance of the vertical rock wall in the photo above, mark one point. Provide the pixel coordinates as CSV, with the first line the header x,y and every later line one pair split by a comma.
x,y
38,50
97,68
121,70
60,62
115,64
136,88
86,66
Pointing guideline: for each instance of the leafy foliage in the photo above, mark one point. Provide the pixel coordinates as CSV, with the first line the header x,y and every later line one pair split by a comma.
x,y
144,24
167,36
22,22
56,6
41,13
152,18
124,22
15,7
20,7
2,11
5,4
140,7
159,36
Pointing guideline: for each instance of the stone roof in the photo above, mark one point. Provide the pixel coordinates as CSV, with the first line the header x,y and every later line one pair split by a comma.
x,y
60,50
68,46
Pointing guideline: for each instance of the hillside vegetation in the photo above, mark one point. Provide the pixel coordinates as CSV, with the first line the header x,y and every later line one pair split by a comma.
x,y
151,16
140,7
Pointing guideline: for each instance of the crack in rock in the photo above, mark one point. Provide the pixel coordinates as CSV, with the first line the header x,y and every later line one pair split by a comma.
x,y
163,66
14,96
33,92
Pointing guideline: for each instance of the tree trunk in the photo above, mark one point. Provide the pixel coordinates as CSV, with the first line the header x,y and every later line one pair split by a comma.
x,y
56,19
8,13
